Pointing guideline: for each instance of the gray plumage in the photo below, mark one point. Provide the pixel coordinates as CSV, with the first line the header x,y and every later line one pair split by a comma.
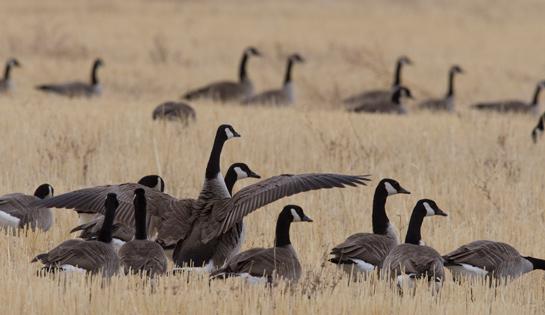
x,y
90,230
392,105
77,89
18,210
6,83
174,111
447,102
513,106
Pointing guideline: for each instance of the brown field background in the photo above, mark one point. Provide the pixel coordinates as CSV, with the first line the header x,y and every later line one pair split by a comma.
x,y
482,169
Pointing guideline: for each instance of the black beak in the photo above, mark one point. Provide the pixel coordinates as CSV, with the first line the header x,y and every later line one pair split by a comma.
x,y
306,219
253,175
440,212
236,134
402,190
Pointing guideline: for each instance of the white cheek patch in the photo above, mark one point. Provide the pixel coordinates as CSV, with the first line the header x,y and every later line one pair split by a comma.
x,y
229,133
50,194
295,215
429,210
390,189
240,173
159,184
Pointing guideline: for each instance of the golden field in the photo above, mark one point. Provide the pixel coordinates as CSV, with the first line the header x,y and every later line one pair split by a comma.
x,y
481,169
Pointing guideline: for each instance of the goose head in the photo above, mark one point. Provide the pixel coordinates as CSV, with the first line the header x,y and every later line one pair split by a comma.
x,y
13,63
404,60
226,132
252,51
44,191
296,58
428,208
98,63
295,214
456,69
155,182
243,171
392,187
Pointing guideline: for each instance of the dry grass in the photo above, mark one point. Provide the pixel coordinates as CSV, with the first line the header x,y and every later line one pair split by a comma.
x,y
482,169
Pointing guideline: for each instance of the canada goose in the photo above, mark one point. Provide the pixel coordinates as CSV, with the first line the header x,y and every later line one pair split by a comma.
x,y
412,260
86,256
446,103
517,106
225,91
6,83
538,129
393,105
493,260
283,96
365,252
77,89
17,210
380,95
260,265
174,111
141,254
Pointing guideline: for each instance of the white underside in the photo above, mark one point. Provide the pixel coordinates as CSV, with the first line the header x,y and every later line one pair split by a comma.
x,y
360,266
208,268
70,268
117,243
466,270
405,282
252,279
7,220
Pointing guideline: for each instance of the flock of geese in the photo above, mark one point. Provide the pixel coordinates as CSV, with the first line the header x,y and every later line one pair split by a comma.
x,y
137,227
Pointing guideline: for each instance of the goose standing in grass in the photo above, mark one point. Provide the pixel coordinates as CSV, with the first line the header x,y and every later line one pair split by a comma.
x,y
514,106
95,256
6,83
228,91
393,105
365,252
379,95
264,265
489,259
18,210
538,129
142,255
446,103
174,111
283,96
77,89
413,260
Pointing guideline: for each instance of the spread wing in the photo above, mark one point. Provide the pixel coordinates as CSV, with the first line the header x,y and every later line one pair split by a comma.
x,y
17,205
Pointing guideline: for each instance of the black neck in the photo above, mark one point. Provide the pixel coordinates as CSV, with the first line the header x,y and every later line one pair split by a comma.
x,y
242,75
380,219
397,74
287,77
7,71
94,77
415,224
283,230
396,97
230,180
140,221
535,100
213,167
105,234
450,90
536,262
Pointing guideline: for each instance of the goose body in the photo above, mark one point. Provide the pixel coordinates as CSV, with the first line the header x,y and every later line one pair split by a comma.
x,y
174,111
227,91
365,252
513,106
18,210
263,265
94,257
6,83
446,103
283,96
393,105
538,129
77,89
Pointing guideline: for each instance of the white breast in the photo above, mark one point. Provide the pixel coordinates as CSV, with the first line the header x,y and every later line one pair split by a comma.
x,y
468,271
7,220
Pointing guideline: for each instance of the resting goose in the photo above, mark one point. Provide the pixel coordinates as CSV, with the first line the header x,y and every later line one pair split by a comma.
x,y
18,210
515,106
77,89
380,95
226,91
95,256
174,111
283,96
412,260
446,103
142,255
490,259
6,84
365,252
393,105
264,265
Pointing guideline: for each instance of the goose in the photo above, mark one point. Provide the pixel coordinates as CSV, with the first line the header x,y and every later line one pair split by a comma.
x,y
262,265
380,95
490,259
446,103
77,89
17,210
6,84
142,255
393,105
365,252
174,111
538,129
413,259
95,256
283,96
511,106
226,91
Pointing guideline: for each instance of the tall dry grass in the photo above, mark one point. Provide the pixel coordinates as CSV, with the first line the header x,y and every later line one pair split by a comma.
x,y
482,169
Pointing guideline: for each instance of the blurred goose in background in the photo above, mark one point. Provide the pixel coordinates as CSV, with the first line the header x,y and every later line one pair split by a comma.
x,y
446,103
379,95
226,91
77,89
141,255
95,256
515,106
6,83
489,259
393,105
283,96
264,265
174,111
538,129
365,252
414,260
17,210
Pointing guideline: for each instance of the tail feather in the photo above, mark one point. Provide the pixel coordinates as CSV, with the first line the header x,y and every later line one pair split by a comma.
x,y
340,261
